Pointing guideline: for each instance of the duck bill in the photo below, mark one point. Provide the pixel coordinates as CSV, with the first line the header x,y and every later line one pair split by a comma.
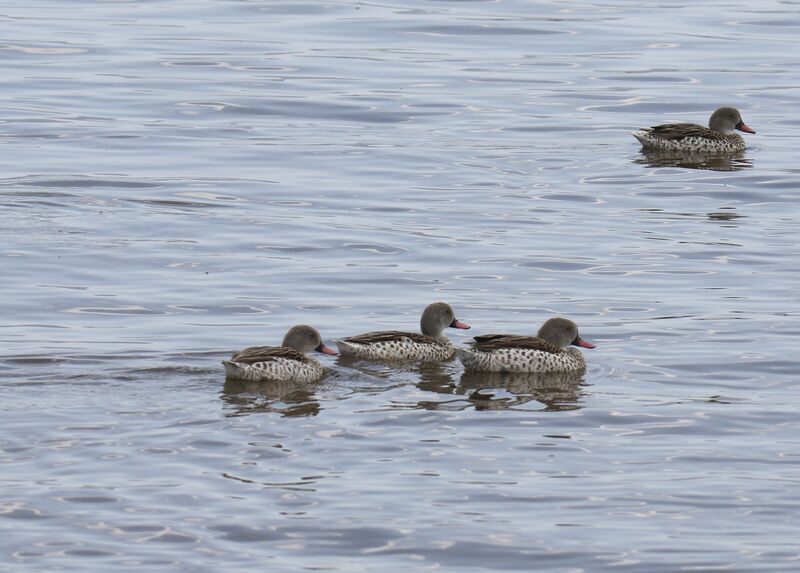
x,y
582,343
326,350
742,126
458,324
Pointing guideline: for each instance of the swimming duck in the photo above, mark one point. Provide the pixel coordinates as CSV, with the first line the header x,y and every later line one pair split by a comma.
x,y
542,353
718,137
286,362
430,346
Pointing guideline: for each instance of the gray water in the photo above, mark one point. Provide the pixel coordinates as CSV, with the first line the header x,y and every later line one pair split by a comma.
x,y
183,179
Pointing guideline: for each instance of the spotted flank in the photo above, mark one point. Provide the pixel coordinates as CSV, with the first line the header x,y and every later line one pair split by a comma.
x,y
278,369
699,144
522,360
718,137
399,346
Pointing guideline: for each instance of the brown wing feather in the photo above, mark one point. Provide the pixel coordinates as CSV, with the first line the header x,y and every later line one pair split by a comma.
x,y
678,131
266,353
486,338
489,342
389,336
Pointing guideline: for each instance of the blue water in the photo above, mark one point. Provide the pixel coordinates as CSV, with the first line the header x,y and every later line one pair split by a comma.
x,y
183,179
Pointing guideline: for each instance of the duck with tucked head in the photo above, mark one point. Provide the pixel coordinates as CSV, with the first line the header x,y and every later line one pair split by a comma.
x,y
718,137
430,346
543,353
287,362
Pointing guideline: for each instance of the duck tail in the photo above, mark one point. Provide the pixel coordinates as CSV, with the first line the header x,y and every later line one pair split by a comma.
x,y
643,136
345,348
232,369
465,356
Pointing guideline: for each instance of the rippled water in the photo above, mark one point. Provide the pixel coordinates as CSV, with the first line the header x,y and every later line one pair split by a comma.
x,y
182,179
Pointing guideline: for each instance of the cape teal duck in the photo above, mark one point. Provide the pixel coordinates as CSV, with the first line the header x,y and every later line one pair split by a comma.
x,y
286,362
718,137
542,353
430,346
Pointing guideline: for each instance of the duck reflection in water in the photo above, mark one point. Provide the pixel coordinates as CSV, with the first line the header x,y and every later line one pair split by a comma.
x,y
438,377
557,391
709,161
288,398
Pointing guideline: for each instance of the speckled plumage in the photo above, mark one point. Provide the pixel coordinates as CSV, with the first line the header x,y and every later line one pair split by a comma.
x,y
522,360
284,368
514,353
287,363
719,137
706,143
430,346
396,345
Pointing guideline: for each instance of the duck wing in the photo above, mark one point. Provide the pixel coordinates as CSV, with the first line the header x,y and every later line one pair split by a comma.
x,y
389,336
489,342
678,131
266,353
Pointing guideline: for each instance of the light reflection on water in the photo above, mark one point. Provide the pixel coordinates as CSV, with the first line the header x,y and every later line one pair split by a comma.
x,y
184,180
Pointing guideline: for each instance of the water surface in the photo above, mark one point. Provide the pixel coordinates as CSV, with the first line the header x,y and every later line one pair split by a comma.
x,y
183,179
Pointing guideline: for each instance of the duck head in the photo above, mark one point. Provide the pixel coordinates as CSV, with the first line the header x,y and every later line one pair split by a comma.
x,y
438,316
726,119
562,332
305,339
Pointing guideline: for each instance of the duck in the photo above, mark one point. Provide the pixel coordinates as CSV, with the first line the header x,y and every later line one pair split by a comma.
x,y
285,363
718,137
543,353
429,346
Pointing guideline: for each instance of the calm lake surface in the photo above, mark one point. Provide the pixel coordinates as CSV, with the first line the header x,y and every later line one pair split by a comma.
x,y
183,179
